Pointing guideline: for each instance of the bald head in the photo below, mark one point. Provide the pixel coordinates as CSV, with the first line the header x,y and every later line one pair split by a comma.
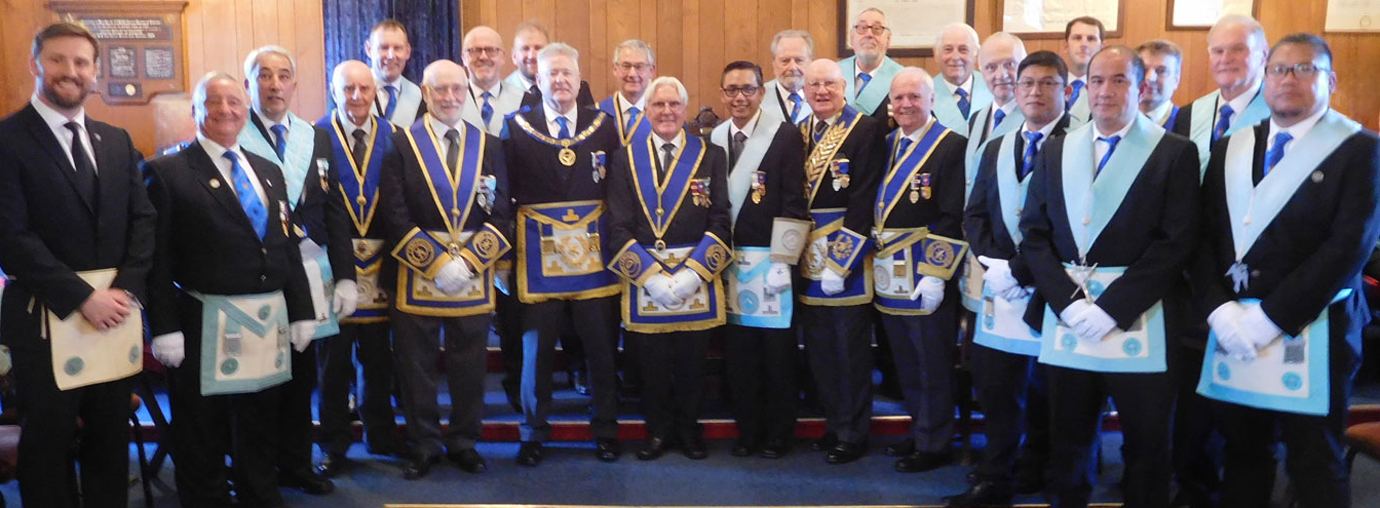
x,y
444,87
998,61
824,87
353,87
482,53
912,98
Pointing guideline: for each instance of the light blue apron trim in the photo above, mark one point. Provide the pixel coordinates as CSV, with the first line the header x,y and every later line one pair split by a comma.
x,y
1204,116
1144,350
331,327
985,335
1011,123
237,321
749,301
1010,193
1109,189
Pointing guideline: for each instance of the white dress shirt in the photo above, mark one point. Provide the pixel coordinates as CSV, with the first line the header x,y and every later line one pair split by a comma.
x,y
1238,105
553,126
382,95
217,154
1161,113
1100,147
350,128
58,124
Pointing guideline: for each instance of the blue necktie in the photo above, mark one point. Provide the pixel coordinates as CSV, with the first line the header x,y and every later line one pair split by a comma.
x,y
1223,122
997,118
631,121
392,101
963,105
1032,147
1111,147
1276,152
487,111
901,150
279,140
865,78
795,108
249,201
1077,89
565,127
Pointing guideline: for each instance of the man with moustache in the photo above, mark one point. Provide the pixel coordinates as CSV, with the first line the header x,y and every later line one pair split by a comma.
x,y
72,200
358,141
1109,223
558,157
846,160
669,218
1282,280
491,99
1237,49
784,96
1164,63
634,64
446,208
1083,38
768,210
868,73
528,39
918,220
398,100
961,91
227,279
302,153
1004,346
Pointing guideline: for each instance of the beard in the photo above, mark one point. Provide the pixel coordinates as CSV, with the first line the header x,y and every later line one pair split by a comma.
x,y
50,92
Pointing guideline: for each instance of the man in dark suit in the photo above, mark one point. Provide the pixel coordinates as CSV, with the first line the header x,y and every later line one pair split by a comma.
x,y
1237,48
1286,318
71,200
227,279
399,100
1004,347
528,40
766,175
559,153
447,237
846,158
1164,63
1104,257
669,220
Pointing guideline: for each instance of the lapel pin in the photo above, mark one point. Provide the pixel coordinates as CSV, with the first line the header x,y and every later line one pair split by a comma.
x,y
215,184
96,136
1317,177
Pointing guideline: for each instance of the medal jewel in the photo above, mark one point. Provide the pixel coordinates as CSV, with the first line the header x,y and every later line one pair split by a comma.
x,y
915,196
567,156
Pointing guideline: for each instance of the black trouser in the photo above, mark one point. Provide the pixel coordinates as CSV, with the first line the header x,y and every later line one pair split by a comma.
x,y
672,365
1002,381
370,344
1145,404
294,425
1313,445
925,348
838,342
417,344
48,419
508,325
596,322
760,365
1197,449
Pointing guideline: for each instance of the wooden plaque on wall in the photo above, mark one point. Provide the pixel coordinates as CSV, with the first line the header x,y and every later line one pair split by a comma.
x,y
143,46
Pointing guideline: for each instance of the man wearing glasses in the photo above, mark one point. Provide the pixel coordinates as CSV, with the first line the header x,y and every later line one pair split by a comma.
x,y
1237,48
961,92
1287,315
491,99
634,64
869,71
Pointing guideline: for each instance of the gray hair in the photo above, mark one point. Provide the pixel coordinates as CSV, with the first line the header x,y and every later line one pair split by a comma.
x,y
671,82
867,10
637,44
958,25
559,49
809,41
1257,32
251,62
199,92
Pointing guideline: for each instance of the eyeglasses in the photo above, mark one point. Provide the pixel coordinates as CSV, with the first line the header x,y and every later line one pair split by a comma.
x,y
862,29
746,91
1302,70
634,67
491,51
1046,84
820,84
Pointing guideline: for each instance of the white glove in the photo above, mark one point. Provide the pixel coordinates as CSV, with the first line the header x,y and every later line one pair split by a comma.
x,y
1224,322
346,298
1256,328
1070,314
778,278
1093,324
1016,293
659,288
170,349
301,332
503,279
685,283
454,277
998,274
930,291
830,282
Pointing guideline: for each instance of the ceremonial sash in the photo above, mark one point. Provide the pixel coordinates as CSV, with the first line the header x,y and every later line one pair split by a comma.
x,y
876,90
373,299
301,144
1168,122
822,155
904,178
661,201
321,281
1080,112
244,342
1204,120
560,255
409,100
748,303
1003,326
613,106
857,286
1011,123
701,311
1090,204
83,355
946,107
1011,192
744,171
1139,349
359,186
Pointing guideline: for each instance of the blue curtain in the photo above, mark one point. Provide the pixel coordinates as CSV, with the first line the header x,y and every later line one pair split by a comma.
x,y
433,28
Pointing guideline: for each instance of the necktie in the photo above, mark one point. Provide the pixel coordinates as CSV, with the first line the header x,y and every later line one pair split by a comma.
x,y
963,105
534,90
820,127
997,118
86,172
452,150
249,201
795,107
632,120
1032,147
279,140
667,152
735,149
1223,122
565,127
392,101
1276,152
357,151
486,112
901,150
1111,147
863,79
1077,89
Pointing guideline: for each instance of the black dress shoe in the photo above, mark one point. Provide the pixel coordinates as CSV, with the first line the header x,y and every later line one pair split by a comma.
x,y
1030,480
743,448
653,448
306,481
695,449
919,462
775,448
419,467
825,442
580,380
383,450
469,460
982,494
608,449
529,454
901,449
845,452
332,465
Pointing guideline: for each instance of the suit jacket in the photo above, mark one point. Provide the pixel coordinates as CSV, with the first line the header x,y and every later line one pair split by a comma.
x,y
627,221
320,213
865,148
48,231
1313,248
778,107
1182,120
942,212
535,173
403,115
1152,233
206,243
784,168
509,99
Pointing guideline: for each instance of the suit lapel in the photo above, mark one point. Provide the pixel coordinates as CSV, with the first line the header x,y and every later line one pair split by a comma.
x,y
222,191
109,175
49,142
